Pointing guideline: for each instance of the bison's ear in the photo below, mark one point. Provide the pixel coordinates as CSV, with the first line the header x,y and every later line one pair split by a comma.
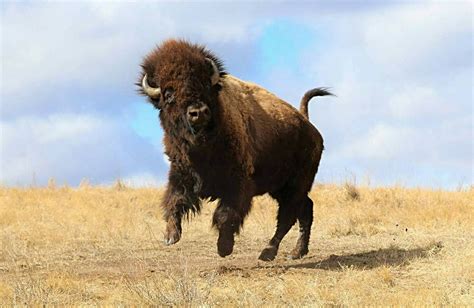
x,y
157,103
215,75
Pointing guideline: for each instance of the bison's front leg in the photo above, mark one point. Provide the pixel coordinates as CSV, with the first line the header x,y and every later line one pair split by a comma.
x,y
173,230
180,198
228,218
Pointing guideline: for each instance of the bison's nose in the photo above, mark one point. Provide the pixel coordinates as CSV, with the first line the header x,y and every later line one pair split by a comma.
x,y
198,114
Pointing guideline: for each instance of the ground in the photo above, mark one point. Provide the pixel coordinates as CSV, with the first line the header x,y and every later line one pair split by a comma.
x,y
369,246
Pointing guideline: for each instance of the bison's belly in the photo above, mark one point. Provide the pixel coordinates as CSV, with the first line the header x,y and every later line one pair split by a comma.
x,y
270,177
217,181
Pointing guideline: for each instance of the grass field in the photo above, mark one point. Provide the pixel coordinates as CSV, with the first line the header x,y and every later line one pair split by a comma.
x,y
369,246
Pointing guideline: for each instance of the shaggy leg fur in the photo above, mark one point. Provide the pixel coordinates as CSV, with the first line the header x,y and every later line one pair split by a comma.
x,y
228,221
173,231
173,209
305,219
179,200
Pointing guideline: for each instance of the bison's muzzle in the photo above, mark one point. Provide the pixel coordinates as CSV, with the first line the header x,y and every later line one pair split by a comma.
x,y
198,115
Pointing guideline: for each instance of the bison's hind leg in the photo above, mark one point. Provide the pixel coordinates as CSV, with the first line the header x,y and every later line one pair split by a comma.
x,y
288,206
305,220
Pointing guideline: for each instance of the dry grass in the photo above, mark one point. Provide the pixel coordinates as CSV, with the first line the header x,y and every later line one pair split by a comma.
x,y
102,246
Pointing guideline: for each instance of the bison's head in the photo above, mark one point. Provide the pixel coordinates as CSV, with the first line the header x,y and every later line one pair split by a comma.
x,y
182,81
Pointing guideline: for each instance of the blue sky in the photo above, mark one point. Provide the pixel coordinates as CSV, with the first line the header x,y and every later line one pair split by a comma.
x,y
402,72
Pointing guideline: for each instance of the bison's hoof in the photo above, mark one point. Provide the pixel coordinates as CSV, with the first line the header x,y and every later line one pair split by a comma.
x,y
268,254
297,255
224,251
172,237
173,232
225,245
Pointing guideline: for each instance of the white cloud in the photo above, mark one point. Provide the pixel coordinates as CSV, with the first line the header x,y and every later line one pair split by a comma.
x,y
166,159
419,37
72,49
418,103
382,142
417,144
70,147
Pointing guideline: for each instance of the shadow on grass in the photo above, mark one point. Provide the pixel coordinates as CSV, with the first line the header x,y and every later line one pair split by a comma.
x,y
392,256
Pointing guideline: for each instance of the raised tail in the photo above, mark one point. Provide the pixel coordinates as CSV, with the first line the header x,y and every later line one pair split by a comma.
x,y
309,95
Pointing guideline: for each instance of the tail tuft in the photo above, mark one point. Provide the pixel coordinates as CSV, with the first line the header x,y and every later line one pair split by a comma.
x,y
309,95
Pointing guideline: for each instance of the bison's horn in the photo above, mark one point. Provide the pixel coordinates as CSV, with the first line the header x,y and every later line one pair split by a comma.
x,y
215,72
150,91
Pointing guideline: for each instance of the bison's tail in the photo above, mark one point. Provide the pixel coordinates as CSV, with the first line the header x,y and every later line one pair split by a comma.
x,y
309,95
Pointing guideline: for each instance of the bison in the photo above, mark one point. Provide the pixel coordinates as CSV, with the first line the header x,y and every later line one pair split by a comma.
x,y
230,140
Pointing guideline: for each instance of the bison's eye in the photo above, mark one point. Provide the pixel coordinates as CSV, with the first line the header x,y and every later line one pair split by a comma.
x,y
169,96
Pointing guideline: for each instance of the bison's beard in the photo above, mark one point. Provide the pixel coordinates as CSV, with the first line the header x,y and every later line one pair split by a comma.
x,y
199,133
196,130
190,128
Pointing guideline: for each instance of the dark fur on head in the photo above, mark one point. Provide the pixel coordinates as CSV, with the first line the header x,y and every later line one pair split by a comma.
x,y
171,59
182,72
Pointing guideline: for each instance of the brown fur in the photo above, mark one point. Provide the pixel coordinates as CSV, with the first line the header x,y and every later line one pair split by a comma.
x,y
255,143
